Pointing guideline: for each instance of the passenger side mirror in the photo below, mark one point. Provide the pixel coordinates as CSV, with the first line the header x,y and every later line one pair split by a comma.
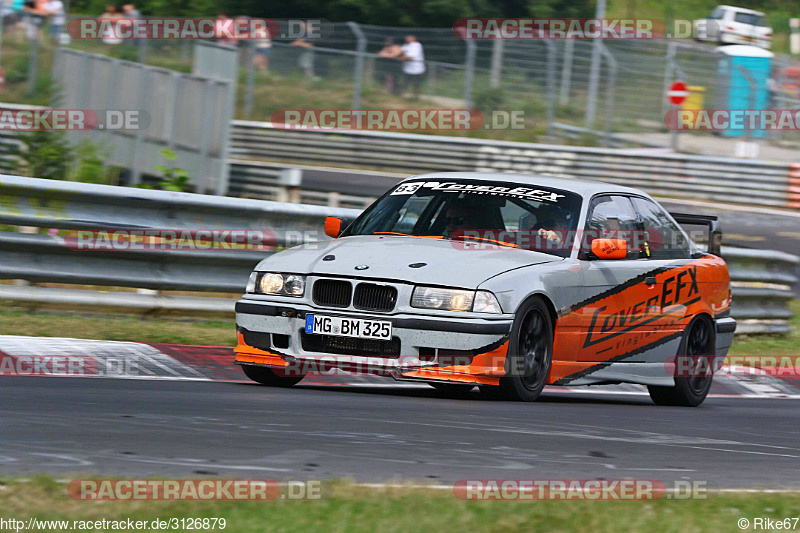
x,y
333,226
610,248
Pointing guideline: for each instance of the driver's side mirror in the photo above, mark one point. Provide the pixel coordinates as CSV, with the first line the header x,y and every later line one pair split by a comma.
x,y
333,226
605,249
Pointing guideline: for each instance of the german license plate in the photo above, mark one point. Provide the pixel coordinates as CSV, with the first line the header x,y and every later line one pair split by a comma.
x,y
348,327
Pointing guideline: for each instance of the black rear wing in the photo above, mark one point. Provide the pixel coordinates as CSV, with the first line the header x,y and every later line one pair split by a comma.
x,y
711,222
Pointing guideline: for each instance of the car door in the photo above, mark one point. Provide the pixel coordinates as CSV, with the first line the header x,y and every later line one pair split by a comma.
x,y
615,296
666,250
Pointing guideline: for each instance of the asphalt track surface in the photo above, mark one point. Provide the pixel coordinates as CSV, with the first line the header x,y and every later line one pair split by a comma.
x,y
376,433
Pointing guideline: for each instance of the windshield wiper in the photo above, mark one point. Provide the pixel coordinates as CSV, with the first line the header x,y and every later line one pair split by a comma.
x,y
407,235
482,239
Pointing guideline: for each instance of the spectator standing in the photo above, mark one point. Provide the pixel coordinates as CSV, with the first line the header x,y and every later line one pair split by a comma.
x,y
13,14
391,65
34,18
413,64
223,27
306,58
263,49
129,16
55,10
129,11
112,15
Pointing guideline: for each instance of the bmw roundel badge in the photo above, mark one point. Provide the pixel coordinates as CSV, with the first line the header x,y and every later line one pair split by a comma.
x,y
361,267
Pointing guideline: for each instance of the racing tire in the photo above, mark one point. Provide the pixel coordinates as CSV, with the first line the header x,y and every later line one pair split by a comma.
x,y
530,354
690,391
453,390
266,376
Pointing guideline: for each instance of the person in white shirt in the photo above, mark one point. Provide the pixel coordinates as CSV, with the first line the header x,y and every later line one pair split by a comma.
x,y
55,9
413,64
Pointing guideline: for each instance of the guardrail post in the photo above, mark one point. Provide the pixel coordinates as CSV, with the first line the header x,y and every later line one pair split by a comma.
x,y
551,84
469,73
610,93
136,166
594,70
358,74
142,45
497,64
33,62
251,80
566,71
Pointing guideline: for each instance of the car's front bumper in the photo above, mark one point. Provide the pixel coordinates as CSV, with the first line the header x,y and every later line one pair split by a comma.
x,y
463,349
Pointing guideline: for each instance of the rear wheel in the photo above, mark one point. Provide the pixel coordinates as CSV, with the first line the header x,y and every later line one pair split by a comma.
x,y
268,376
690,391
530,354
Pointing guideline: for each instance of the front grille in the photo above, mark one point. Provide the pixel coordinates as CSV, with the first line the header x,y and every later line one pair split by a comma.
x,y
332,344
371,297
332,292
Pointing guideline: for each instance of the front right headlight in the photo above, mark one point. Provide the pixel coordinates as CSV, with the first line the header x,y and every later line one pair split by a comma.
x,y
276,284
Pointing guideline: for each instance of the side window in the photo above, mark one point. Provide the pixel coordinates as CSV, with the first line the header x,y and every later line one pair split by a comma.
x,y
663,239
612,217
717,13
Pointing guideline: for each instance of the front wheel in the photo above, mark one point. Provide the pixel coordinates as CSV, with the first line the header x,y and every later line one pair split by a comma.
x,y
530,354
690,391
267,376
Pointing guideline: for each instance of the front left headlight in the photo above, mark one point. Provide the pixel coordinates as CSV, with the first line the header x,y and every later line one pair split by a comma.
x,y
276,284
455,300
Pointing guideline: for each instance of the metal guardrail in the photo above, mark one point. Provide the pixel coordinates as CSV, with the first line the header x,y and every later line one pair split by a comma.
x,y
664,174
66,205
762,280
258,148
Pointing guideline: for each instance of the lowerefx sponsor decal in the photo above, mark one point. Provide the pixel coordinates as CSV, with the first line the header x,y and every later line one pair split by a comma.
x,y
637,316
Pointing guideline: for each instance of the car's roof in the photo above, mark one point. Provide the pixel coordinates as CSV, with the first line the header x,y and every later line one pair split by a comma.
x,y
583,187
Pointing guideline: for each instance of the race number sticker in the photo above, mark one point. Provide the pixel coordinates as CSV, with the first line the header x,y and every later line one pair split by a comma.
x,y
407,188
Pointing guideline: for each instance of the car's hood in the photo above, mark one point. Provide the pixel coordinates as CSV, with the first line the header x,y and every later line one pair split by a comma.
x,y
448,263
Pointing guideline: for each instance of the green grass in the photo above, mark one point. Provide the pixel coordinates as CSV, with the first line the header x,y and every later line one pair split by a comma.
x,y
39,324
347,507
771,344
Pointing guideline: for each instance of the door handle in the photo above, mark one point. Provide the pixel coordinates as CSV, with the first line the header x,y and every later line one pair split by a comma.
x,y
650,280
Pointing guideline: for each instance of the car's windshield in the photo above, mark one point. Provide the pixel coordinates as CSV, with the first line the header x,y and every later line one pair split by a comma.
x,y
505,214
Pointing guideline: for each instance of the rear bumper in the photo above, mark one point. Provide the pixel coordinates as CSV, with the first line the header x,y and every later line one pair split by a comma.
x,y
725,329
430,348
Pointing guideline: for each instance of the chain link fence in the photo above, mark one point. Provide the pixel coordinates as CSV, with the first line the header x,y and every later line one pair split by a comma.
x,y
552,82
